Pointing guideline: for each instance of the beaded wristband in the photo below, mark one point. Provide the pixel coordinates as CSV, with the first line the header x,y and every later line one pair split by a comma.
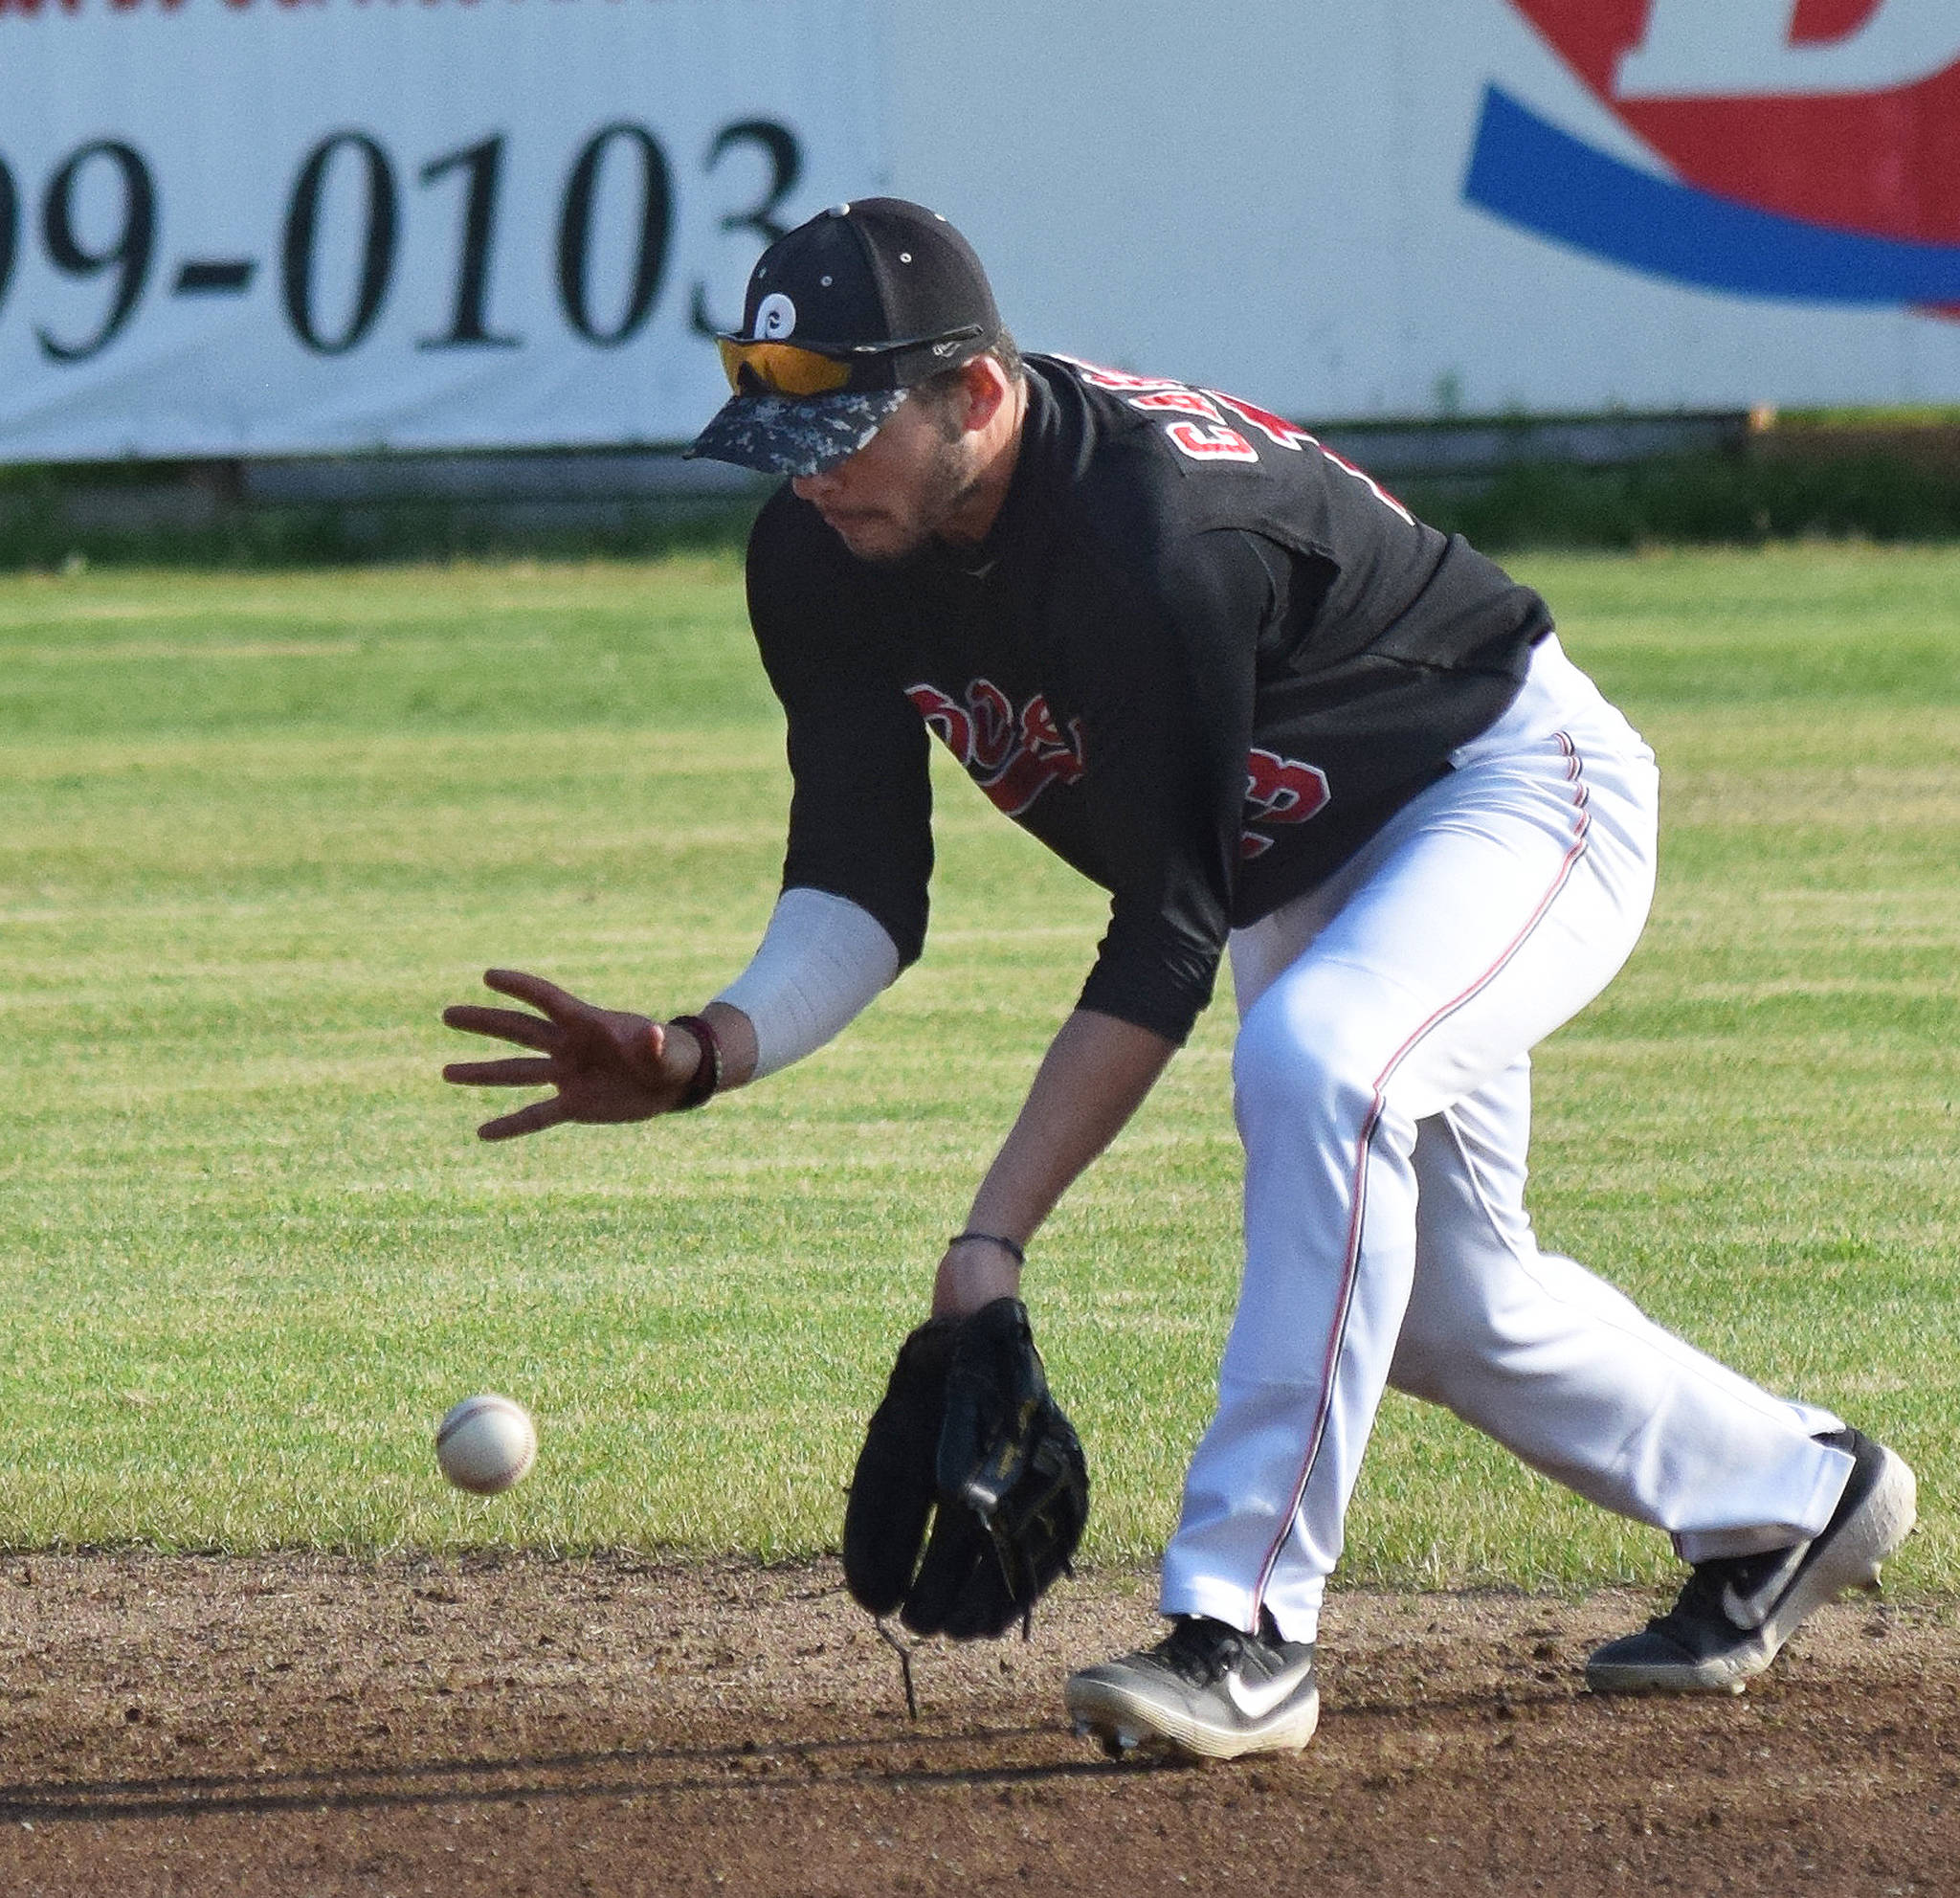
x,y
707,1078
1006,1246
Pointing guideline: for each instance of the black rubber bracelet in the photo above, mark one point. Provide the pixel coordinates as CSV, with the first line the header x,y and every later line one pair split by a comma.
x,y
706,1079
1008,1245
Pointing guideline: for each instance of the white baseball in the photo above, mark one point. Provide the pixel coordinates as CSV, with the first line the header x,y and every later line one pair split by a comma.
x,y
486,1443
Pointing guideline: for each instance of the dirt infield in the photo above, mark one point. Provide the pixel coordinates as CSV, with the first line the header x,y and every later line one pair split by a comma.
x,y
303,1725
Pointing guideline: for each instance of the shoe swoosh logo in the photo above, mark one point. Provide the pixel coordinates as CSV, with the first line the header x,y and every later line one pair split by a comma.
x,y
1752,1610
1744,1614
1257,1702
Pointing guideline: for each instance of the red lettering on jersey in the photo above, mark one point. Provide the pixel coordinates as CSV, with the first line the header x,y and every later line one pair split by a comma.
x,y
1278,791
1185,401
1214,444
1040,733
1276,428
1027,776
994,725
1014,758
1099,377
1221,443
945,717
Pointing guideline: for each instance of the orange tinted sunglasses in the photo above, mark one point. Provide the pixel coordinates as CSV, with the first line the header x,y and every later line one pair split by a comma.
x,y
780,368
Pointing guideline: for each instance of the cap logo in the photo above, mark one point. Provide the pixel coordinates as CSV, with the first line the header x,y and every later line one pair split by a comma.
x,y
775,318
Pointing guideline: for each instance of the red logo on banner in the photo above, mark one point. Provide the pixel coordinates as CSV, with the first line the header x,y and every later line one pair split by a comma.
x,y
1841,112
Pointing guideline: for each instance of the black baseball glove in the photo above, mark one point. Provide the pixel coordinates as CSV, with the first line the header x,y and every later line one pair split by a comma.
x,y
968,1427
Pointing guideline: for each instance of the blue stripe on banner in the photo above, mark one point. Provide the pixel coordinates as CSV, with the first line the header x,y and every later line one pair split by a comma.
x,y
1533,174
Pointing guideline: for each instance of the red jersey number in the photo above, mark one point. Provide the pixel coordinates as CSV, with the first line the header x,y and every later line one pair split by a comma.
x,y
1278,791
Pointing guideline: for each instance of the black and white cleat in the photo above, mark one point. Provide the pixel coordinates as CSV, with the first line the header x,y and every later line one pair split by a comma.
x,y
1118,1742
1205,1691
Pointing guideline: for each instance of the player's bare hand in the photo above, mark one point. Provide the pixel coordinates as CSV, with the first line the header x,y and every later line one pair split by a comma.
x,y
603,1064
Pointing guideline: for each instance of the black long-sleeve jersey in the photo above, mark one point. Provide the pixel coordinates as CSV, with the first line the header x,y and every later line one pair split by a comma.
x,y
1198,656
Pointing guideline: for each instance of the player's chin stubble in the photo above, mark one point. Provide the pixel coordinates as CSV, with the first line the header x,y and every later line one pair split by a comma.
x,y
887,535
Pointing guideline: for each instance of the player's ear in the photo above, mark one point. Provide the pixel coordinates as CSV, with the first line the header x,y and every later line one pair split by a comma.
x,y
985,386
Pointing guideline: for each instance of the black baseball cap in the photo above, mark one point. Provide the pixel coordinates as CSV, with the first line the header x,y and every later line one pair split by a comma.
x,y
844,314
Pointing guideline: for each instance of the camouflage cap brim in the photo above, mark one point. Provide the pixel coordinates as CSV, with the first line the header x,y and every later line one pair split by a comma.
x,y
803,435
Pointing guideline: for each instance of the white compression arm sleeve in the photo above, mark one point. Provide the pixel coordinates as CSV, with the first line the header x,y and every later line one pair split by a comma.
x,y
823,961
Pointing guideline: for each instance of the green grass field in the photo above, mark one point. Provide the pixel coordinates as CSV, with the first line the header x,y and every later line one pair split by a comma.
x,y
259,828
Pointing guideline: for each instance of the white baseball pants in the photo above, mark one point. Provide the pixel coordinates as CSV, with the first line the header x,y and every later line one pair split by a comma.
x,y
1382,1086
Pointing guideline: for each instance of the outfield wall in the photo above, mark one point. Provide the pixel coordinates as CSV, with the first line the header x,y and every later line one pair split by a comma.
x,y
257,228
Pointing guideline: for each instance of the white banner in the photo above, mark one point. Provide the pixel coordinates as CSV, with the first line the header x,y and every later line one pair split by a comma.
x,y
264,226
1349,209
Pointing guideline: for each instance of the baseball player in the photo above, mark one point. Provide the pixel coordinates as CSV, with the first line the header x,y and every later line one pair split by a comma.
x,y
1230,678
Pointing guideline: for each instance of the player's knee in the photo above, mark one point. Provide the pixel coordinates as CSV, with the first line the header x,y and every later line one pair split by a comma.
x,y
1301,1060
1417,1369
1431,1368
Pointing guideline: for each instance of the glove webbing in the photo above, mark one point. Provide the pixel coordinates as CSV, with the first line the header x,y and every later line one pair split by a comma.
x,y
1023,1589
